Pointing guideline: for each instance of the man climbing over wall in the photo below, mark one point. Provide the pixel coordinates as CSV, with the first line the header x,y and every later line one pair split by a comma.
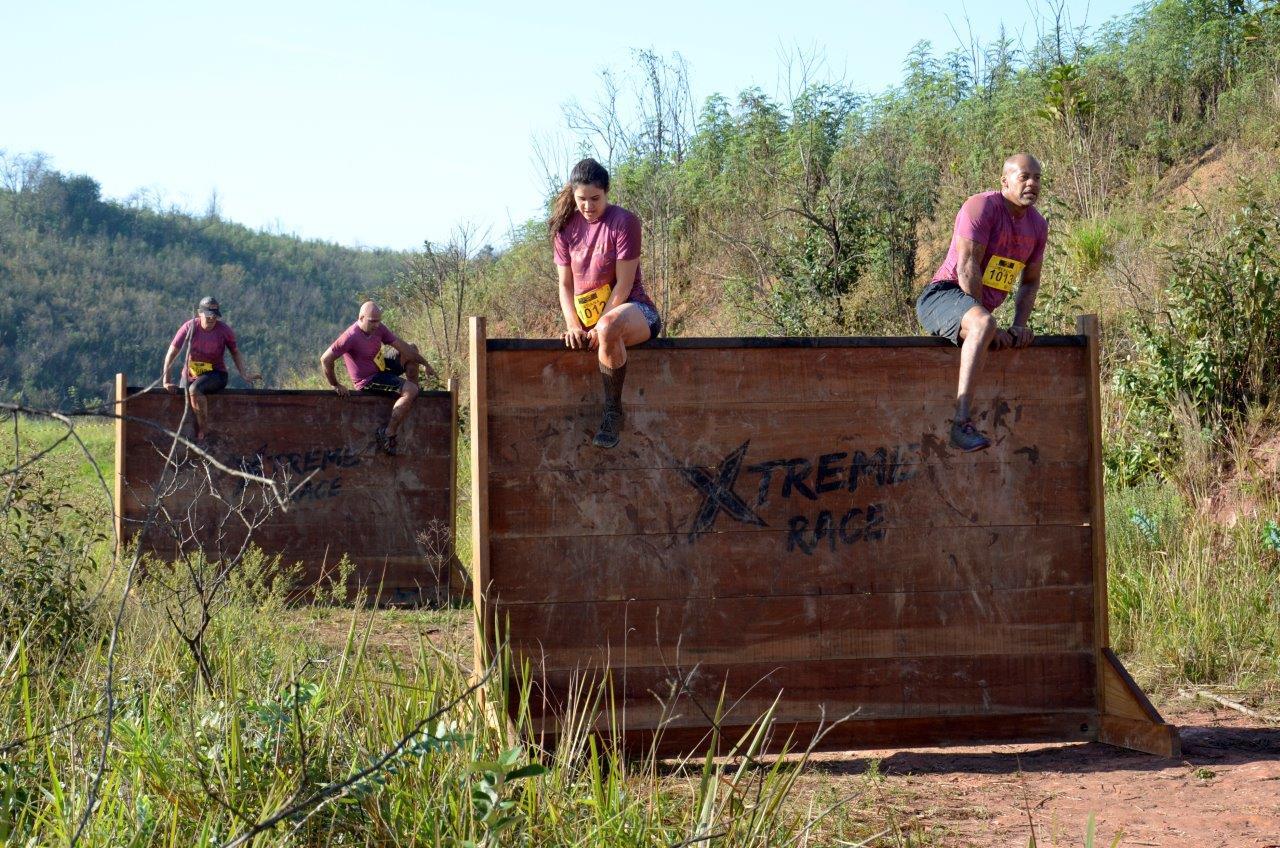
x,y
997,243
360,347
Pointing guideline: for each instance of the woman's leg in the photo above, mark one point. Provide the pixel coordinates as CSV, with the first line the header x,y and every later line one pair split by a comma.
x,y
199,391
623,327
199,406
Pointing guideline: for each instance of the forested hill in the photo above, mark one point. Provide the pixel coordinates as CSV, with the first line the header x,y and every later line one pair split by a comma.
x,y
89,287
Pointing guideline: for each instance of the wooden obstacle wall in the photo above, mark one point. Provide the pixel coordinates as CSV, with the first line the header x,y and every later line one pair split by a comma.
x,y
393,516
785,521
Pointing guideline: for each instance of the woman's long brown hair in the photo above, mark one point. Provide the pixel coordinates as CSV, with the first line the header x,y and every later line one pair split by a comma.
x,y
587,172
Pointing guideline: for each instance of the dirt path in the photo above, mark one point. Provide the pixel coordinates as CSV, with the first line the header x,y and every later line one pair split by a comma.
x,y
1224,791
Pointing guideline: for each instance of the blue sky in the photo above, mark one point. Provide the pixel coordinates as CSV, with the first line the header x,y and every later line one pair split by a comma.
x,y
386,123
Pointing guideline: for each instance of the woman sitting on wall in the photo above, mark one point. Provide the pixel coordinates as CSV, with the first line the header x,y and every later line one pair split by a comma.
x,y
205,371
606,309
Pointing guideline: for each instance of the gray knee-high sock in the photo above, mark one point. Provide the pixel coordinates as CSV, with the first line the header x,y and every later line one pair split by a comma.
x,y
612,379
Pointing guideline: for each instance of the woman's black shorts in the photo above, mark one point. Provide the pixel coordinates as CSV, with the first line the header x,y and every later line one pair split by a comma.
x,y
207,383
651,316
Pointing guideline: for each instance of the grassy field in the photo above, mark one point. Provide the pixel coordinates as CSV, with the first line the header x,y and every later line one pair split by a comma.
x,y
304,700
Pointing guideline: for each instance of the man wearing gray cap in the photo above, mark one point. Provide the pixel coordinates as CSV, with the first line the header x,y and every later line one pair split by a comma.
x,y
204,372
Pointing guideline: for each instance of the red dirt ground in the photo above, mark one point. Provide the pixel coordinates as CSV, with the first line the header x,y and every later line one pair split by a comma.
x,y
1223,791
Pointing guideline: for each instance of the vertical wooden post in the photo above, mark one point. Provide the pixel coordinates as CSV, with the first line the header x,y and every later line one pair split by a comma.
x,y
1087,326
480,493
122,389
1125,716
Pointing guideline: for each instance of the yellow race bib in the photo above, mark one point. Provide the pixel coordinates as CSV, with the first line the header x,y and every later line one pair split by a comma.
x,y
380,360
197,368
1002,273
590,305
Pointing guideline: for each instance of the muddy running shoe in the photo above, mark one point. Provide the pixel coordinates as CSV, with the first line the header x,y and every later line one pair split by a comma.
x,y
966,437
610,429
386,444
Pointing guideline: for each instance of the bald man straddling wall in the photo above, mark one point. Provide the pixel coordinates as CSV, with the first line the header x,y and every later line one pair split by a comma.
x,y
360,347
997,245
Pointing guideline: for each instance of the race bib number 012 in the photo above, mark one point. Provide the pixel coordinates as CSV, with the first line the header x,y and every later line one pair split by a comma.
x,y
590,305
197,368
1002,273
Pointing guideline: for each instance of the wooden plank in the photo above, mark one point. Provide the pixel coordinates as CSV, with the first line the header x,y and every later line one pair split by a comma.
x,y
867,643
308,407
479,400
535,380
353,472
734,564
1124,698
1088,326
903,430
359,397
358,472
691,502
293,424
1118,699
877,688
934,731
333,504
793,628
1140,735
688,343
393,573
121,432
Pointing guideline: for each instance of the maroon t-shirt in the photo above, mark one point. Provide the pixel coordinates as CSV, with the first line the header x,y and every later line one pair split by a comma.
x,y
208,347
592,250
985,219
361,351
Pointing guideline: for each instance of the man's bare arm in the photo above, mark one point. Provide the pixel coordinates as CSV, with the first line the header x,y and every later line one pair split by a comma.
x,y
1024,301
240,366
969,256
169,355
326,368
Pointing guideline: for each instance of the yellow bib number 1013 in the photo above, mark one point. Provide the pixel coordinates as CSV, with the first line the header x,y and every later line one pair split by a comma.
x,y
198,368
1002,273
590,305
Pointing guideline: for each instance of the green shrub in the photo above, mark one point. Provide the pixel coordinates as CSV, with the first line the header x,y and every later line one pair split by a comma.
x,y
1089,247
1211,353
47,546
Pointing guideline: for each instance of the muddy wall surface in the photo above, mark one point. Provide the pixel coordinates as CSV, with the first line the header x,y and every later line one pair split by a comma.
x,y
785,522
392,515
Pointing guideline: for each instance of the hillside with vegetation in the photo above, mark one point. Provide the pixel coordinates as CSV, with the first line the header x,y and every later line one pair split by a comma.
x,y
90,286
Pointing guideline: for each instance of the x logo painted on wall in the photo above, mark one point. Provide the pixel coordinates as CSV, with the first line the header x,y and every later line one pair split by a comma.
x,y
718,494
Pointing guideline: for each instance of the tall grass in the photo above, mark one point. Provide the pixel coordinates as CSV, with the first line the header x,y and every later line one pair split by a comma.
x,y
1192,601
190,766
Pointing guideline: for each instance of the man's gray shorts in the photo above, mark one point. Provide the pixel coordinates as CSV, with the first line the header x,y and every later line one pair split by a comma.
x,y
942,306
